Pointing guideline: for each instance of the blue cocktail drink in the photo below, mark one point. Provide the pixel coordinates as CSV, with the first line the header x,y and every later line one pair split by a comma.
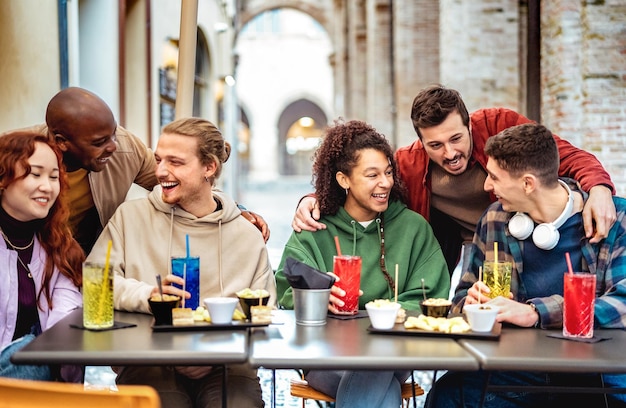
x,y
191,273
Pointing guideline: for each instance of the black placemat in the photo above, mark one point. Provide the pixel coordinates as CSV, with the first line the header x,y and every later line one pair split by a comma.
x,y
360,314
399,329
593,339
116,325
206,326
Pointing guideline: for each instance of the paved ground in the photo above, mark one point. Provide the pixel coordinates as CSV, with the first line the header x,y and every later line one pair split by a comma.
x,y
276,203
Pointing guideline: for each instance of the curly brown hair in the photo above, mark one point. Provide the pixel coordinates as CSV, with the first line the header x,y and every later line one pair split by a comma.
x,y
340,152
55,236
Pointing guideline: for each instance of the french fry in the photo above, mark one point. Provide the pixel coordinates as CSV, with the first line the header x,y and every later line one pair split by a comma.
x,y
440,324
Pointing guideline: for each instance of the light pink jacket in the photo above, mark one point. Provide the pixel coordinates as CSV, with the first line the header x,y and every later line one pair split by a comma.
x,y
65,296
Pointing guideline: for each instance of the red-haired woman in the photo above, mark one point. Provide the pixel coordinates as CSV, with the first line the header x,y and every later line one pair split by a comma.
x,y
40,262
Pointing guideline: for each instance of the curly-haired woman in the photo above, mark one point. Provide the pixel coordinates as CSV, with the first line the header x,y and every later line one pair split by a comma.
x,y
40,262
361,202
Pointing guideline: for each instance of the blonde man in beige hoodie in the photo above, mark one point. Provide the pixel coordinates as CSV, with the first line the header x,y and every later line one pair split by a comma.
x,y
146,233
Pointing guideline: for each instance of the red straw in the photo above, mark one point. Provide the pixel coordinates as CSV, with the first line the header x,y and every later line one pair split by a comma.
x,y
569,263
337,245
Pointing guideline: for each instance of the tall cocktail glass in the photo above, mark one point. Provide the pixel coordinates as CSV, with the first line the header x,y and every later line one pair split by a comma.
x,y
348,270
579,294
97,296
192,280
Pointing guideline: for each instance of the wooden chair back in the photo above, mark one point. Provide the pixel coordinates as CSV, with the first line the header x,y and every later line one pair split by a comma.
x,y
34,394
301,389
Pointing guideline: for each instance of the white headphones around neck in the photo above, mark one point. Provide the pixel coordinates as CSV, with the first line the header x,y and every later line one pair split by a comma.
x,y
546,235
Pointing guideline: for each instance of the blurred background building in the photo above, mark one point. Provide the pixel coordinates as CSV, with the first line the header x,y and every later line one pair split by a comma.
x,y
273,73
292,66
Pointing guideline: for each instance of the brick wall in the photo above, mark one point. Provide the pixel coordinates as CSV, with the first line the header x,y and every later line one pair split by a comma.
x,y
478,47
584,78
480,51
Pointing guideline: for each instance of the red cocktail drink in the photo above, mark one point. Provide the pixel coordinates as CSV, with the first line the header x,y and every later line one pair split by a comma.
x,y
579,294
348,269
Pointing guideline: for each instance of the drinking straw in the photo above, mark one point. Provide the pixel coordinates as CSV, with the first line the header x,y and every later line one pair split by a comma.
x,y
495,253
184,280
396,286
337,245
480,279
569,263
185,265
160,286
105,278
496,278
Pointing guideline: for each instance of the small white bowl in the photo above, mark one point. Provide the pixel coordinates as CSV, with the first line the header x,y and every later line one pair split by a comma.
x,y
481,317
221,309
382,315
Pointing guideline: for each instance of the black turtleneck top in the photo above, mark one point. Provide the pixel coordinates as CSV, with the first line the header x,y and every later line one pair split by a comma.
x,y
20,234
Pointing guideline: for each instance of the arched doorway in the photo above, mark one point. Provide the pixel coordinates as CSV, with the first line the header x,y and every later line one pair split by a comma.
x,y
300,128
283,74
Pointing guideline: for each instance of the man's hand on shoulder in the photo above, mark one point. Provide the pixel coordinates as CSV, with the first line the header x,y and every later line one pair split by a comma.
x,y
599,213
258,222
307,214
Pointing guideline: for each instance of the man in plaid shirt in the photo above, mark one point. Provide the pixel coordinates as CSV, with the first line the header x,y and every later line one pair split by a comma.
x,y
523,174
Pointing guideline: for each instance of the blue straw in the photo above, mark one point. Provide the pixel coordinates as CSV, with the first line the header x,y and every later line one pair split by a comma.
x,y
187,244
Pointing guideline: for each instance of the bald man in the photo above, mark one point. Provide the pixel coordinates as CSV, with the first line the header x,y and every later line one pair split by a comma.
x,y
103,160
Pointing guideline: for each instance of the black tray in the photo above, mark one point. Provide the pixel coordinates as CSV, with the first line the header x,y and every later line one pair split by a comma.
x,y
206,326
399,328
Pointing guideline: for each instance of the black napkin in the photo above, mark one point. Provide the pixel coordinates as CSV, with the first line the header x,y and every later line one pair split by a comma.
x,y
116,325
593,339
359,315
302,276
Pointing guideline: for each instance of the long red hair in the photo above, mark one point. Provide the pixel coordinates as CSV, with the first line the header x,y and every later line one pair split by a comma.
x,y
63,252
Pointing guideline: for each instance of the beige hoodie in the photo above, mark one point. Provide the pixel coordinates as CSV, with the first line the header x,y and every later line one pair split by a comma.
x,y
147,232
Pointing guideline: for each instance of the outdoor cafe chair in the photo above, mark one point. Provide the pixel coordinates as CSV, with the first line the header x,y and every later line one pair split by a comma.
x,y
299,388
36,394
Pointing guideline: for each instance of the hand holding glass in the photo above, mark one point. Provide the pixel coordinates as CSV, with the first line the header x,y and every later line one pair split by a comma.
x,y
189,269
497,277
348,270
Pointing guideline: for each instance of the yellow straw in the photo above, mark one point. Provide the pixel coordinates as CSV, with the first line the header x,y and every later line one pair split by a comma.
x,y
105,283
496,278
396,285
480,278
495,252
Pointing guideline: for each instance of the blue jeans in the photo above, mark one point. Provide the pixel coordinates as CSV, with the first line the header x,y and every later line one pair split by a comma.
x,y
360,388
24,372
616,381
464,389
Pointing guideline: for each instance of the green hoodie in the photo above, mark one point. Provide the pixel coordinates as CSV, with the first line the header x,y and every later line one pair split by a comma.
x,y
409,242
